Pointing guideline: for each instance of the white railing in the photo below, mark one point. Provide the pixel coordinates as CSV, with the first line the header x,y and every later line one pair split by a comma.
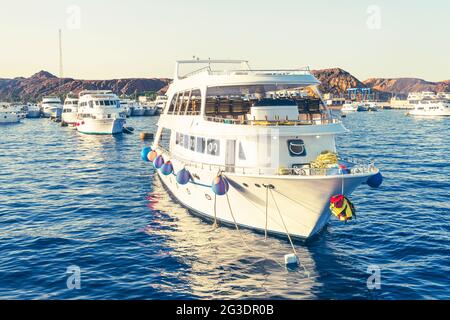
x,y
354,167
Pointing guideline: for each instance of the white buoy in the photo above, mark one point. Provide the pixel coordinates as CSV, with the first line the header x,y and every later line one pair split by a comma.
x,y
290,259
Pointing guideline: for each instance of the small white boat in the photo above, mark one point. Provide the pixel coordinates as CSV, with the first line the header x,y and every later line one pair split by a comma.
x,y
7,115
149,110
99,112
349,106
431,108
160,103
138,110
52,107
370,106
70,111
127,106
33,111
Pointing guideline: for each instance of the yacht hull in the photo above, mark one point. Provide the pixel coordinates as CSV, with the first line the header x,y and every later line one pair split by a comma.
x,y
138,112
100,126
34,114
69,118
6,118
303,202
437,113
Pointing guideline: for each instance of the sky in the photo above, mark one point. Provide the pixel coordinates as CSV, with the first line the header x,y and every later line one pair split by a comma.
x,y
105,39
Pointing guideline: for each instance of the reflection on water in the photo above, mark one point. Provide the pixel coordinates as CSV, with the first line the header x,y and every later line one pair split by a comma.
x,y
73,199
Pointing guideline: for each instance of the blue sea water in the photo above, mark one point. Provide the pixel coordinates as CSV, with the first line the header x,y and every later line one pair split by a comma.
x,y
68,199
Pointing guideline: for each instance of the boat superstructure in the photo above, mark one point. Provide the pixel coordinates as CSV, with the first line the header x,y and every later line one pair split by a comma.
x,y
33,111
224,122
127,105
70,110
8,114
99,112
52,107
435,107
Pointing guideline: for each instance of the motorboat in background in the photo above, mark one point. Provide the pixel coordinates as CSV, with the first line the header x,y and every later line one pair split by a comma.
x,y
99,112
127,105
7,115
138,110
431,108
33,111
70,110
52,107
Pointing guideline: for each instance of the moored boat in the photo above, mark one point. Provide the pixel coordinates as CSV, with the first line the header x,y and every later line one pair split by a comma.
x,y
233,153
52,107
99,112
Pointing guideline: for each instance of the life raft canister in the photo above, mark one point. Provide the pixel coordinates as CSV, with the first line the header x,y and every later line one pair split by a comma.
x,y
342,207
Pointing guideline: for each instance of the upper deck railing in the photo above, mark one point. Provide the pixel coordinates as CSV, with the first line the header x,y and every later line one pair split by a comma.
x,y
249,71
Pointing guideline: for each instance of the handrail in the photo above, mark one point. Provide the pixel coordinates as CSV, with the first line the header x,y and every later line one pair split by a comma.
x,y
272,122
355,166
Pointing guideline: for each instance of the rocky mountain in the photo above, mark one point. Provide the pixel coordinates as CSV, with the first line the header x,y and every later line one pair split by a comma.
x,y
44,83
334,80
406,85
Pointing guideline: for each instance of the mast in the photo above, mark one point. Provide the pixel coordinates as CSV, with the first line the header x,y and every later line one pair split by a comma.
x,y
60,62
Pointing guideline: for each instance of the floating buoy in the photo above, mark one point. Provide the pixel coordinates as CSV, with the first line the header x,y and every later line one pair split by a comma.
x,y
158,163
375,181
183,176
342,207
290,259
344,169
152,155
144,153
167,168
146,135
220,185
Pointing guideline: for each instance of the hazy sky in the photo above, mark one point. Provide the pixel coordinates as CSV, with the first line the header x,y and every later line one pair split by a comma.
x,y
141,38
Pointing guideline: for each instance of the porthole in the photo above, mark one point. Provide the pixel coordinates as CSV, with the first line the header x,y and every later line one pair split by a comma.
x,y
245,185
257,185
207,196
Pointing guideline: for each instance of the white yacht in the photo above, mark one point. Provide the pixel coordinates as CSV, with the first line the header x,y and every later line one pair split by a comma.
x,y
160,102
350,106
127,105
33,111
233,154
7,115
51,107
99,112
138,110
431,108
149,110
70,111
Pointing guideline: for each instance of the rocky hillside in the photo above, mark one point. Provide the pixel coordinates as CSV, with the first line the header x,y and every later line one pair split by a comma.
x,y
405,85
44,83
336,80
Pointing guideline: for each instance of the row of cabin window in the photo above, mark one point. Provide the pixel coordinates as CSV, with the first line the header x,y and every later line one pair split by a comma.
x,y
99,103
198,144
187,102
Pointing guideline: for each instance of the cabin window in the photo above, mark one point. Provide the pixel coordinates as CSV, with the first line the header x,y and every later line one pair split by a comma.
x,y
201,145
172,104
194,103
192,143
186,141
91,104
241,152
181,139
296,148
213,147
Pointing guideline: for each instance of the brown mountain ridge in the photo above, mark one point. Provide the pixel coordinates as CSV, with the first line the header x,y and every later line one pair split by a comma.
x,y
334,80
